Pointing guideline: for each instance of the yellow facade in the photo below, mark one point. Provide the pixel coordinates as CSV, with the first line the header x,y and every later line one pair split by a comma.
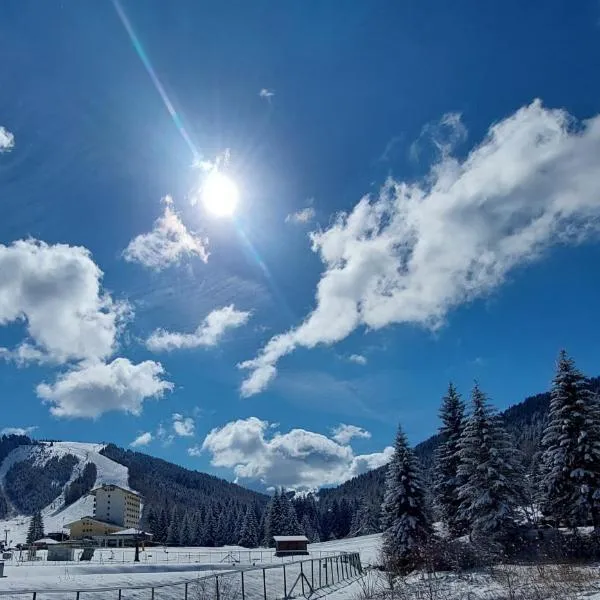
x,y
88,527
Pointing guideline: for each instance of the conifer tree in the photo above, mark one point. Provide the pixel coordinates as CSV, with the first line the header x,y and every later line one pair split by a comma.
x,y
571,449
249,531
405,522
36,528
366,519
209,528
446,479
492,489
289,524
174,528
185,533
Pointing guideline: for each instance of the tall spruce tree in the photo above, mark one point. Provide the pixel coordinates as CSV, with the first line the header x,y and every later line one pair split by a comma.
x,y
289,521
492,490
174,528
406,526
571,449
446,479
36,528
366,519
249,531
274,519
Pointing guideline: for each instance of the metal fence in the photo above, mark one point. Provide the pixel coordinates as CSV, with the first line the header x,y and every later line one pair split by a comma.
x,y
158,554
310,578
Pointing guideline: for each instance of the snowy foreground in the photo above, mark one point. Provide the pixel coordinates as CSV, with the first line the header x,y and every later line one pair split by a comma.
x,y
159,566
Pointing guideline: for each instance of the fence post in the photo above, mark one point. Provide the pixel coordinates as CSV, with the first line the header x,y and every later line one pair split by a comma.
x,y
312,573
320,571
243,594
152,596
302,576
119,593
217,585
185,597
77,596
326,571
284,583
264,583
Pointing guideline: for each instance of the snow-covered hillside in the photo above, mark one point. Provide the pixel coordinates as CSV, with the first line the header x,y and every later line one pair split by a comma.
x,y
55,517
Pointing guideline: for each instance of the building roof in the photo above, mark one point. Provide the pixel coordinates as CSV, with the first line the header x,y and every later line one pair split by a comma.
x,y
90,518
47,541
131,531
125,489
290,538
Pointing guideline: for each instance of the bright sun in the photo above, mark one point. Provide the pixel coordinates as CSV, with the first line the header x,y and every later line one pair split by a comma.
x,y
220,194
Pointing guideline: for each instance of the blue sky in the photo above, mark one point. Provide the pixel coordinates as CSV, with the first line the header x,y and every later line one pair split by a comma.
x,y
281,345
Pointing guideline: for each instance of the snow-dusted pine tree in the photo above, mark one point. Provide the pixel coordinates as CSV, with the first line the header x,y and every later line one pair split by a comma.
x,y
249,532
406,526
185,533
289,523
446,479
366,519
36,528
571,449
174,528
492,490
273,519
209,527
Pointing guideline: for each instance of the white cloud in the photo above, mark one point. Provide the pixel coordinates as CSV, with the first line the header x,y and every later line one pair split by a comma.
x,y
142,440
164,436
194,451
344,433
55,290
167,243
18,430
359,359
302,216
208,333
7,140
419,249
266,93
298,459
183,426
444,135
93,389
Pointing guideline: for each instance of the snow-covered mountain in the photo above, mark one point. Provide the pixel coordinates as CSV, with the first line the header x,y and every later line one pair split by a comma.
x,y
55,514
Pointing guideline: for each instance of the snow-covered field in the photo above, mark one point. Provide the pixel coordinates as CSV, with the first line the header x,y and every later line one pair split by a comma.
x,y
56,576
55,517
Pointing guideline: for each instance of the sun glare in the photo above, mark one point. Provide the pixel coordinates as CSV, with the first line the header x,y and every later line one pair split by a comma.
x,y
220,194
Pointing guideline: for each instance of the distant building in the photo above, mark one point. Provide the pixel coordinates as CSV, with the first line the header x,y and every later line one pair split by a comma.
x,y
89,527
290,545
114,504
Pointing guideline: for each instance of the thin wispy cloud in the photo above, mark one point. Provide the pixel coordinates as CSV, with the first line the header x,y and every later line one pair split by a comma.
x,y
142,440
266,94
18,430
359,359
209,332
419,249
167,244
7,140
302,216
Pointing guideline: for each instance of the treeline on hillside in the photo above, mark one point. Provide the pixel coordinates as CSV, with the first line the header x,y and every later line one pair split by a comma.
x,y
7,444
82,484
490,498
30,487
185,507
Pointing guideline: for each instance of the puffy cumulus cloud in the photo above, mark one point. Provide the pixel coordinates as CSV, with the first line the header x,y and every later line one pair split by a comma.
x,y
183,426
359,359
302,216
208,333
419,249
298,459
18,430
142,440
93,389
7,140
194,450
167,243
56,291
344,433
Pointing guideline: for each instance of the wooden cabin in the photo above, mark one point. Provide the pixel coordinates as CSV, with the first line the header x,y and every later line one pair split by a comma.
x,y
290,545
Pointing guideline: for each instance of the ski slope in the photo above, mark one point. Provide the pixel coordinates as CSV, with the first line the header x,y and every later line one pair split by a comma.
x,y
55,517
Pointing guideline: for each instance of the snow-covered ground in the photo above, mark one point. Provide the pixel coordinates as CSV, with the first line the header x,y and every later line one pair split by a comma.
x,y
154,570
55,517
